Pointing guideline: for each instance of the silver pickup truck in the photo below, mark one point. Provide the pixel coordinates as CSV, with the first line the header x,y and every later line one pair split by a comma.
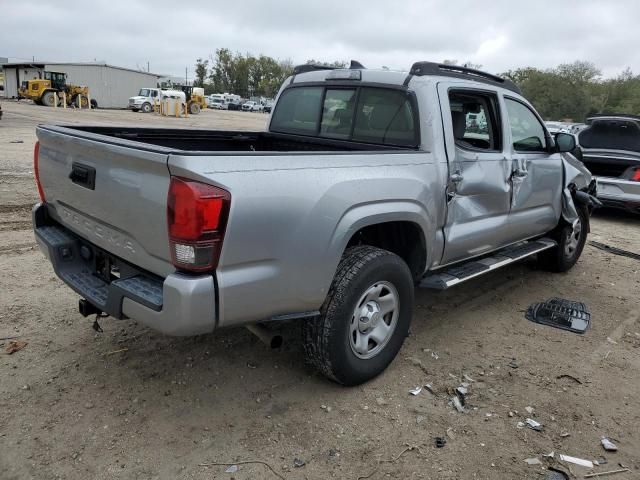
x,y
365,185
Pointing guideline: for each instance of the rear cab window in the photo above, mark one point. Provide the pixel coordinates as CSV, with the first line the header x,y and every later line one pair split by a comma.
x,y
377,115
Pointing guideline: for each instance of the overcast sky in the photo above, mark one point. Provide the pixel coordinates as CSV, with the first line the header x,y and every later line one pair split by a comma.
x,y
170,34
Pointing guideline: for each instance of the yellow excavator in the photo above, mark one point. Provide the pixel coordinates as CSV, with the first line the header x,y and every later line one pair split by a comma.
x,y
45,91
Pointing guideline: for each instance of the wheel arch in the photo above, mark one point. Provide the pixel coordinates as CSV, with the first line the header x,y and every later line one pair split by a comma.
x,y
402,227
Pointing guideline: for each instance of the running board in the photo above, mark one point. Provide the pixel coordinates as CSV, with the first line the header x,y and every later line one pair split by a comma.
x,y
441,280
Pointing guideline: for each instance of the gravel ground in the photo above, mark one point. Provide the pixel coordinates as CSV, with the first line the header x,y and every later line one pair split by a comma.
x,y
131,403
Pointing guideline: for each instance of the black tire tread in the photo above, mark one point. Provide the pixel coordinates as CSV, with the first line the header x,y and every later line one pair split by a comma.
x,y
316,332
553,259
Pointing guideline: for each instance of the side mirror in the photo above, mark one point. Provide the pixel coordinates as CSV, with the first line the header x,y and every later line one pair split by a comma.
x,y
565,142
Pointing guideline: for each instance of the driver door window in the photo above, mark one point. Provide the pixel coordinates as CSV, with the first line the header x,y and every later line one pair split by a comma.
x,y
527,133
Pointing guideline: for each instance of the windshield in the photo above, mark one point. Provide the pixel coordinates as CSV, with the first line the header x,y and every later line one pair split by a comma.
x,y
144,92
382,116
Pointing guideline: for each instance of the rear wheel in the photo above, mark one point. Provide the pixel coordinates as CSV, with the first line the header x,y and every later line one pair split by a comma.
x,y
364,319
194,109
48,99
571,241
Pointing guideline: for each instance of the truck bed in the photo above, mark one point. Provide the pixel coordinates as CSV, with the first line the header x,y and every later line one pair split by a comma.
x,y
229,141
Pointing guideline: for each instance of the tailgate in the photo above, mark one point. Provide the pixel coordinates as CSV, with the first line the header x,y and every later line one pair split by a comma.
x,y
109,191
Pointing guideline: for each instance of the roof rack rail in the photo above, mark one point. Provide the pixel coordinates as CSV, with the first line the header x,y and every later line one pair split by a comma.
x,y
311,67
630,116
432,68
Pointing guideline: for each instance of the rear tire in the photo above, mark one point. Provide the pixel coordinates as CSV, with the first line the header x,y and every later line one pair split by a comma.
x,y
570,244
364,319
48,99
194,109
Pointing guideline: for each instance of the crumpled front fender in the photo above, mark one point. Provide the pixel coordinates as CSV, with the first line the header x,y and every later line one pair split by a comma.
x,y
577,180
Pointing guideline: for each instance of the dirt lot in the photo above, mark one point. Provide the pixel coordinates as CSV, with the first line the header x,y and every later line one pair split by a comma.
x,y
130,403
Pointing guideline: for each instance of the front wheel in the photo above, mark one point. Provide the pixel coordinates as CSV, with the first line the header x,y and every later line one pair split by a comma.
x,y
364,319
194,109
146,107
571,240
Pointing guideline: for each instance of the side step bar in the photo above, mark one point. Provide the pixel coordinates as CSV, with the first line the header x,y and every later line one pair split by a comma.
x,y
448,277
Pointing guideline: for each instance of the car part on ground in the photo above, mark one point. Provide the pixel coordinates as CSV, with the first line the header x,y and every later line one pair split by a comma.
x,y
614,250
560,313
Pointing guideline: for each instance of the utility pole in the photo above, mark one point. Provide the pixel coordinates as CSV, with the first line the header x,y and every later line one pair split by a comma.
x,y
148,69
186,80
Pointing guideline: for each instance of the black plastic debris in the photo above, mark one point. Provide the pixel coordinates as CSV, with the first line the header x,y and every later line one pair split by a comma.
x,y
555,474
440,442
561,313
614,250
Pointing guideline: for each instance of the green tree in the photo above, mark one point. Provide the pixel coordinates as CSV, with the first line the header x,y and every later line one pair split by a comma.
x,y
202,67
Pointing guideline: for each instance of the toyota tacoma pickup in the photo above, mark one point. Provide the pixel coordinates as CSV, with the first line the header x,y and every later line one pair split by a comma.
x,y
365,185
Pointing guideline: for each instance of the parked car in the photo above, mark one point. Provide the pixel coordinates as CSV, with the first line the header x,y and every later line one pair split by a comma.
x,y
610,148
266,108
365,185
557,127
251,106
0,112
218,103
234,105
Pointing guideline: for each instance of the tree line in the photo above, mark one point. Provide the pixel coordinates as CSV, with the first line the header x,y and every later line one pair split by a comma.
x,y
245,75
571,91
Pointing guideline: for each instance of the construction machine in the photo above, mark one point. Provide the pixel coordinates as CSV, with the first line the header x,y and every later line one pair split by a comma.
x,y
195,98
45,91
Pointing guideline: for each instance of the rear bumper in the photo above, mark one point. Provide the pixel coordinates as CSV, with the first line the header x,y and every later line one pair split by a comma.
x,y
176,305
618,193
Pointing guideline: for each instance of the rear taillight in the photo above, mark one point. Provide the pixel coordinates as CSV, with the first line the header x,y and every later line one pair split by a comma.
x,y
36,170
635,176
197,216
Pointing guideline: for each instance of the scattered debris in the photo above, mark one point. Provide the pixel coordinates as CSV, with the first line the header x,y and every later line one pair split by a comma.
x,y
610,472
600,461
450,433
430,388
435,355
555,474
513,364
577,461
565,434
462,390
611,341
16,141
298,462
560,313
419,419
251,365
468,378
456,404
533,461
247,462
325,407
520,425
125,349
608,445
529,410
231,469
440,442
570,377
614,250
534,425
391,460
15,346
96,326
549,455
415,391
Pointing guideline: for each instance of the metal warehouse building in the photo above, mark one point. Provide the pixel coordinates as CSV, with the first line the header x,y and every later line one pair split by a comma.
x,y
110,86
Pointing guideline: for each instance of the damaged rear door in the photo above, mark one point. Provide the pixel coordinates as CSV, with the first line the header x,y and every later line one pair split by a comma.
x,y
478,191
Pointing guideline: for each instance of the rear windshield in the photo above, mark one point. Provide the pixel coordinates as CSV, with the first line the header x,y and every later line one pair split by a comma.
x,y
382,116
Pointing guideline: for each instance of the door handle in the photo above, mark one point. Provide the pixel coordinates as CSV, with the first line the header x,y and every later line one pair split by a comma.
x,y
520,172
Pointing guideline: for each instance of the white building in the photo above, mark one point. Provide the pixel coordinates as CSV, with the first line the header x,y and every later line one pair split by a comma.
x,y
110,86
